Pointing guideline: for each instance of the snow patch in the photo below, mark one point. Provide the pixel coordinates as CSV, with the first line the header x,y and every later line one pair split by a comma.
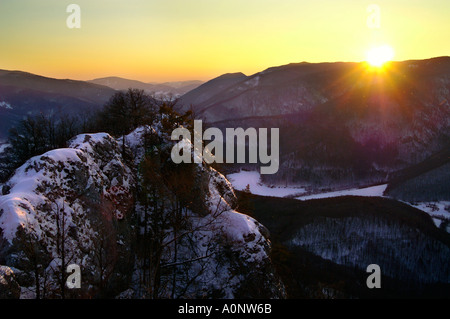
x,y
373,191
439,211
6,105
3,147
253,82
240,180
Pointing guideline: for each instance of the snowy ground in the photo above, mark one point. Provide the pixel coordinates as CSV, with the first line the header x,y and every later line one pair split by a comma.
x,y
240,180
439,211
3,146
373,191
253,179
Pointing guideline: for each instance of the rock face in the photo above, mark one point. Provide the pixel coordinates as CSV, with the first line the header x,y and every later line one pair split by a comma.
x,y
9,288
81,205
225,254
65,207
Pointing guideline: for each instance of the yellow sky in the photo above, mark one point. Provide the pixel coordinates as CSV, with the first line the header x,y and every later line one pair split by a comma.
x,y
162,40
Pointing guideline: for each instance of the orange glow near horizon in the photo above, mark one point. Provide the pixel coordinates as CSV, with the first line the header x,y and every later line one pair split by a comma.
x,y
172,40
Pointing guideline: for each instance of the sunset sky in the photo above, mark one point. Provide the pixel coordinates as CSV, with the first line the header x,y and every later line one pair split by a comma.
x,y
164,40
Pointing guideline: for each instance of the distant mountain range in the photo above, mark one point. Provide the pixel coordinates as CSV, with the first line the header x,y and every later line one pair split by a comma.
x,y
341,125
24,94
339,122
165,89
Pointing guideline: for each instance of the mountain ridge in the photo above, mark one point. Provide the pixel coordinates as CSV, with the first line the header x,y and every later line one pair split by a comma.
x,y
26,94
177,88
348,118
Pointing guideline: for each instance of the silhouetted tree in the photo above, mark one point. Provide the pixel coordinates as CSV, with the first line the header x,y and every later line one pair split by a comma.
x,y
126,111
36,135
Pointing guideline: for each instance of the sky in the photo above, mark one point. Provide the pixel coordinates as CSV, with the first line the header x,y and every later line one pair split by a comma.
x,y
172,40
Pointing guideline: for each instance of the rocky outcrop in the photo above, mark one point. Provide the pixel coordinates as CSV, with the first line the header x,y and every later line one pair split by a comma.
x,y
225,254
66,207
9,288
81,205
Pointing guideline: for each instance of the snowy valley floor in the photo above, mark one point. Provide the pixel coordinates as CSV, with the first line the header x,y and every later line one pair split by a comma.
x,y
439,211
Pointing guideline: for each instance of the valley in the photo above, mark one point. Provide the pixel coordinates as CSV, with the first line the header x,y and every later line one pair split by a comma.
x,y
363,178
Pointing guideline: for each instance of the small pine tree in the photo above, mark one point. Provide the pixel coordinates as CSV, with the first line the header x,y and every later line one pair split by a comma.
x,y
245,204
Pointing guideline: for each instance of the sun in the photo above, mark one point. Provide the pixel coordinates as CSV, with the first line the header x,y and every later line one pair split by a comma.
x,y
378,56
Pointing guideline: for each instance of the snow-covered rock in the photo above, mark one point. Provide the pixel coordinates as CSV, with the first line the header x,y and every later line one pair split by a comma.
x,y
9,288
5,105
57,201
230,250
79,205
